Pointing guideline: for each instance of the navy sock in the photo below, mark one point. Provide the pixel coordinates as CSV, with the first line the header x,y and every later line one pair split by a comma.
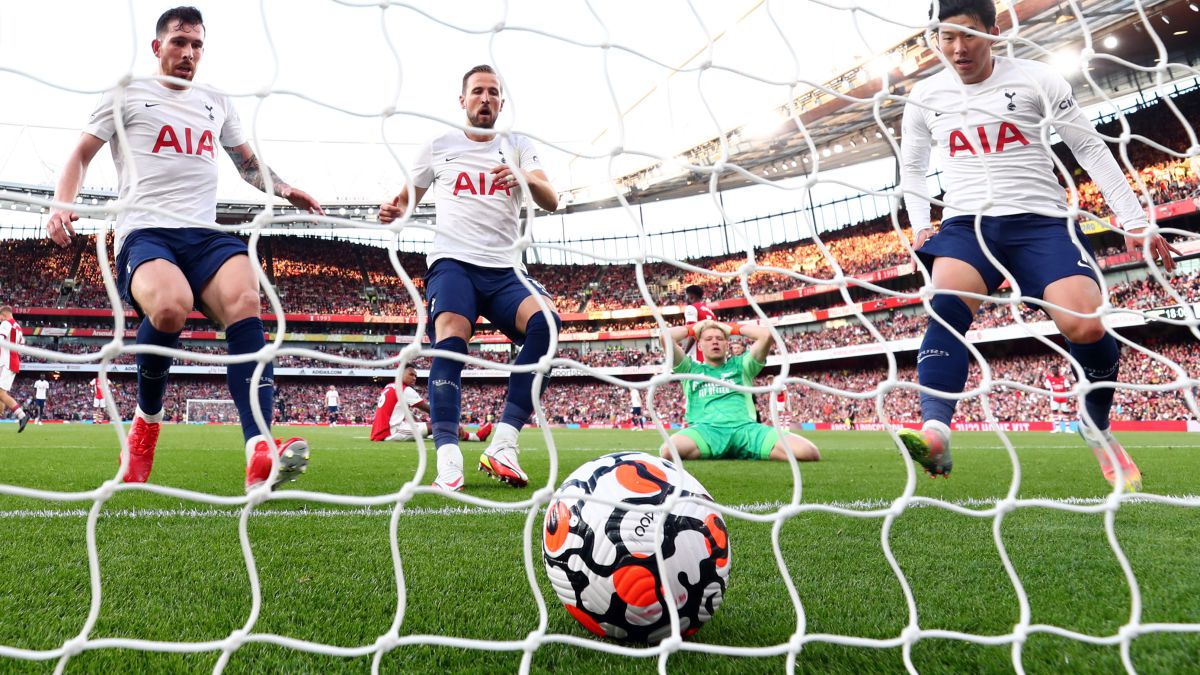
x,y
246,337
445,394
942,361
518,405
1101,360
152,369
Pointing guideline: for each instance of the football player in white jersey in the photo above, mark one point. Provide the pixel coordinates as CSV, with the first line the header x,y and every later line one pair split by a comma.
x,y
480,181
989,117
172,261
41,389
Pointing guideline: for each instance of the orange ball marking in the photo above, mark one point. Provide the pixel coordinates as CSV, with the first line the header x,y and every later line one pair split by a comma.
x,y
635,585
587,621
630,479
556,538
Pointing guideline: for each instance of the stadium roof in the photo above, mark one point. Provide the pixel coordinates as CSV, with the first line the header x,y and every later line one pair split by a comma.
x,y
839,113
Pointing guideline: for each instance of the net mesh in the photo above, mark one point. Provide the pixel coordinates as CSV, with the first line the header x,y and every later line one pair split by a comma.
x,y
721,165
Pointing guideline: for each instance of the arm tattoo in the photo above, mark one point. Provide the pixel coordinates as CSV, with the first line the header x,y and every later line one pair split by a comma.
x,y
251,170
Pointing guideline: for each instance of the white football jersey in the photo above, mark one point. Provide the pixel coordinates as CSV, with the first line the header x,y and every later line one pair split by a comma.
x,y
477,219
40,388
635,398
992,141
331,398
174,140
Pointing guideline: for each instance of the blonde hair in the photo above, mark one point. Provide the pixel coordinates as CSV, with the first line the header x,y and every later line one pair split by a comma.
x,y
708,324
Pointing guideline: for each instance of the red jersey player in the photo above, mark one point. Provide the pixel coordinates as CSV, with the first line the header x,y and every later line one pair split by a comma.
x,y
1060,403
390,423
695,310
98,411
10,364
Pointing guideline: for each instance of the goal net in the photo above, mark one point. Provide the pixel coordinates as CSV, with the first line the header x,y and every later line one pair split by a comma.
x,y
210,411
772,168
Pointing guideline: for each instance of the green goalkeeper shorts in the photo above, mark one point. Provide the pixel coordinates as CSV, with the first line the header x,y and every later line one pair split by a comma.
x,y
745,441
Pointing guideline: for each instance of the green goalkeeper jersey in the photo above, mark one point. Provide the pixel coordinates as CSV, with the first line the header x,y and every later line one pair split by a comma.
x,y
709,403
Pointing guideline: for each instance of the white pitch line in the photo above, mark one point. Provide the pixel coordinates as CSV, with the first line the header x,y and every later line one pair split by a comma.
x,y
756,507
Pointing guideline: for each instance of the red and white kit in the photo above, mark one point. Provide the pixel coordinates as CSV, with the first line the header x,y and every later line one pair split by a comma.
x,y
390,424
10,361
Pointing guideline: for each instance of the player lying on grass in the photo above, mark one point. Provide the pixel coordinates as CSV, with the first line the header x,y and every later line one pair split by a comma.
x,y
721,422
390,423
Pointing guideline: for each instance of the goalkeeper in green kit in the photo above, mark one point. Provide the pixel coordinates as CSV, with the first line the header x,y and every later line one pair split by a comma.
x,y
721,422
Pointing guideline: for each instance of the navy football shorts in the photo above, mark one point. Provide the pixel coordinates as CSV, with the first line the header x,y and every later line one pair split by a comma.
x,y
198,252
473,291
1036,250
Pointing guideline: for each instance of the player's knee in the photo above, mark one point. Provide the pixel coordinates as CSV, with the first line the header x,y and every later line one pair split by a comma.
x,y
241,305
169,316
1082,331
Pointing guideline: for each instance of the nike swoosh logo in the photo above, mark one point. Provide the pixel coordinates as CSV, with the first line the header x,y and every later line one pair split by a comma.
x,y
937,114
451,159
151,105
1083,265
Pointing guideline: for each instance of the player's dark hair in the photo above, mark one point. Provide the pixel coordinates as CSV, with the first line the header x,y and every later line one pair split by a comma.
x,y
694,291
481,68
982,10
186,16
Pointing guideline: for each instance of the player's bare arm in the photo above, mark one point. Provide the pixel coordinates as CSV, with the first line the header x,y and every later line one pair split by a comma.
x,y
540,189
761,346
60,228
391,210
251,170
677,334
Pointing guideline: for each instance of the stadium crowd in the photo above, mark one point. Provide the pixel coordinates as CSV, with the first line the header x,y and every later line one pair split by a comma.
x,y
579,401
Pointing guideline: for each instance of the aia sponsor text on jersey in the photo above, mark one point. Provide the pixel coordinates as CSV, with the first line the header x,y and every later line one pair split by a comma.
x,y
194,142
464,183
1007,134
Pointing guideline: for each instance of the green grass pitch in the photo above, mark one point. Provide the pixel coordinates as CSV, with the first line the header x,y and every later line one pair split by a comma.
x,y
172,569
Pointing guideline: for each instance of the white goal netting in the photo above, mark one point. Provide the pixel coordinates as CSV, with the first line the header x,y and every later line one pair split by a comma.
x,y
818,122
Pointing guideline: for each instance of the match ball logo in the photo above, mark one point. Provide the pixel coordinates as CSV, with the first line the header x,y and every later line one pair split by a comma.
x,y
602,559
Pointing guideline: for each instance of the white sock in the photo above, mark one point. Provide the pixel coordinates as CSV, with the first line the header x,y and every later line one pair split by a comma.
x,y
449,460
472,436
150,419
20,413
506,432
939,427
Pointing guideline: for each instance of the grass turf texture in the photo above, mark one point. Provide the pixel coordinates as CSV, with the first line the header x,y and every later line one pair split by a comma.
x,y
169,573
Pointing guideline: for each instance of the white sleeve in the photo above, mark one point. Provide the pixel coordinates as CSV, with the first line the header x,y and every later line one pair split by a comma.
x,y
527,156
690,315
102,123
5,339
422,173
232,134
411,397
915,139
1092,153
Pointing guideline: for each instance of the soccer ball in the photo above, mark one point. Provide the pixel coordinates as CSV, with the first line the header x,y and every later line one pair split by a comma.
x,y
603,562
